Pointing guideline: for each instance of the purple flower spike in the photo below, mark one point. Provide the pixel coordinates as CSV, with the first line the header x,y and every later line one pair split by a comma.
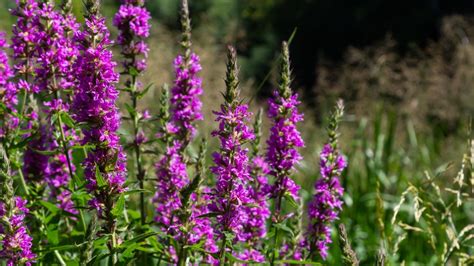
x,y
16,241
26,34
132,21
8,92
327,203
186,105
172,174
231,195
95,105
284,139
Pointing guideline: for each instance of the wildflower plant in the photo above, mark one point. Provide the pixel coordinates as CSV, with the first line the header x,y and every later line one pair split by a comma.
x,y
76,164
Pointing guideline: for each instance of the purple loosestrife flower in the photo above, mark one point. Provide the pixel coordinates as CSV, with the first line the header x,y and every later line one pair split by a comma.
x,y
16,242
8,93
179,129
172,177
284,139
132,21
94,105
36,166
56,50
327,203
26,34
258,212
185,102
186,105
5,74
230,194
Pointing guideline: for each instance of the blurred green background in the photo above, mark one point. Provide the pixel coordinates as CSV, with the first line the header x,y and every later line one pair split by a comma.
x,y
405,70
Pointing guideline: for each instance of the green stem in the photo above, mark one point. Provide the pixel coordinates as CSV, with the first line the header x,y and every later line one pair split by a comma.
x,y
138,159
113,246
274,251
23,182
60,258
277,218
222,251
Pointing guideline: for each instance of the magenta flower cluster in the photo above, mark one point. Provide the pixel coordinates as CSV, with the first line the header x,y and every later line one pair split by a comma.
x,y
255,228
26,34
231,193
56,50
284,139
8,92
69,79
95,104
16,241
185,110
132,21
327,203
172,177
54,56
186,105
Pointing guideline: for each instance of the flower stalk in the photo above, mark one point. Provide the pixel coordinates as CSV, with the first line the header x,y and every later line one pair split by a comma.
x,y
132,21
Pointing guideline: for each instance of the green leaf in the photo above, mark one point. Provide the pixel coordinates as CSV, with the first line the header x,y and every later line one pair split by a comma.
x,y
99,178
66,119
63,247
145,91
119,206
284,228
298,262
210,215
135,215
53,236
138,239
50,206
128,253
133,71
47,153
98,258
291,200
137,191
80,147
131,110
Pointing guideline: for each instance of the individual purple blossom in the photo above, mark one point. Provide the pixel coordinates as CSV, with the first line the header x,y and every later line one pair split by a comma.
x,y
327,202
65,202
285,139
15,241
230,196
95,105
251,255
